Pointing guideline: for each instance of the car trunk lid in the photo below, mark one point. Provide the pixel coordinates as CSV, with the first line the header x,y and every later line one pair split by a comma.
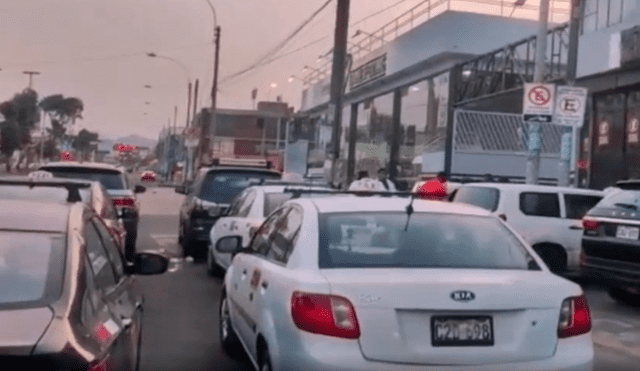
x,y
395,309
21,329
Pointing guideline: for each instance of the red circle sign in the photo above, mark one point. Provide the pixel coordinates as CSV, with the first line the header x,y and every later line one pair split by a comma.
x,y
539,95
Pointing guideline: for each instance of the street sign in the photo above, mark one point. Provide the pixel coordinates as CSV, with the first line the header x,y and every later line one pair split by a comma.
x,y
571,102
538,101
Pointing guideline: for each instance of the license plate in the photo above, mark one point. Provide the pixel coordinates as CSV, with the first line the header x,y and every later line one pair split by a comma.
x,y
462,331
629,233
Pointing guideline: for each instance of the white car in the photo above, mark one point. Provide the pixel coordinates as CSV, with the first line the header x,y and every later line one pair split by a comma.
x,y
246,212
372,284
547,217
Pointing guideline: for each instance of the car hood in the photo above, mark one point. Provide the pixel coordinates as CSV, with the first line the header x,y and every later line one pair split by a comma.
x,y
21,329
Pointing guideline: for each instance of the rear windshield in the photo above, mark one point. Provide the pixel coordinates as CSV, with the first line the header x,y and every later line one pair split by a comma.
x,y
379,240
622,199
31,267
484,197
110,179
24,192
223,186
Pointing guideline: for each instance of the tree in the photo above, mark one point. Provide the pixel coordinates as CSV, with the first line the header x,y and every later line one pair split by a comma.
x,y
21,117
62,110
83,141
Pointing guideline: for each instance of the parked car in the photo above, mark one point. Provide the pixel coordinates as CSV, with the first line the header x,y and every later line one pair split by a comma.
x,y
208,198
611,243
67,300
547,217
372,284
247,212
148,176
114,179
39,188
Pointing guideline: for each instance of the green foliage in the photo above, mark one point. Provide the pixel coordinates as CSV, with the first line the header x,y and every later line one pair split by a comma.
x,y
21,117
63,110
84,139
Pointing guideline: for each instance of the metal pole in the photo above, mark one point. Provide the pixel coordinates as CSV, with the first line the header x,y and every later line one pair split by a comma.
x,y
195,100
214,89
286,145
353,136
188,107
175,119
278,134
337,78
535,127
42,119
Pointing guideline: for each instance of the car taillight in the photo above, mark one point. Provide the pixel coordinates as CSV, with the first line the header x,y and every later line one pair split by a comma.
x,y
590,224
324,314
124,201
575,318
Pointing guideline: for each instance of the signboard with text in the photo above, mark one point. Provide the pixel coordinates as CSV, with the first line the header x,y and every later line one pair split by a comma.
x,y
369,71
571,102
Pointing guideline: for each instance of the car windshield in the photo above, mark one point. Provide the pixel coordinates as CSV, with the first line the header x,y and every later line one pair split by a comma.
x,y
621,199
223,186
379,240
484,197
110,179
30,266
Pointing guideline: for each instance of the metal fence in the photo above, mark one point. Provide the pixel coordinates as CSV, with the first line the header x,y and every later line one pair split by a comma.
x,y
494,131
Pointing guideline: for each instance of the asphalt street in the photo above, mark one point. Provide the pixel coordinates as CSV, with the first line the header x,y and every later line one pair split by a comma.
x,y
180,330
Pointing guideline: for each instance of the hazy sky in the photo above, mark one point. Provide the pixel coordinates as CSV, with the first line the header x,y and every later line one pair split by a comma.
x,y
95,50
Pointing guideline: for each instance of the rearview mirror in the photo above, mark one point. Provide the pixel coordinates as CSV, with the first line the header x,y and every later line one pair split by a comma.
x,y
140,189
150,263
229,244
181,189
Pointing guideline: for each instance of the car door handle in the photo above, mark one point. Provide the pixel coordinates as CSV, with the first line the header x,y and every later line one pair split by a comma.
x,y
244,272
575,227
265,284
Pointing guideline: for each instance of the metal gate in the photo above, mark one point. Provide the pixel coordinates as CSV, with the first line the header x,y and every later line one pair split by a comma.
x,y
496,143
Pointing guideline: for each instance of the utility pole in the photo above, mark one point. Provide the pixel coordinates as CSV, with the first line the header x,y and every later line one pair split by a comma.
x,y
175,120
188,107
31,73
206,135
535,127
195,100
337,79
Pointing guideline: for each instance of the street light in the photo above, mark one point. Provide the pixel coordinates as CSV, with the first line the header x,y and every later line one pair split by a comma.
x,y
360,32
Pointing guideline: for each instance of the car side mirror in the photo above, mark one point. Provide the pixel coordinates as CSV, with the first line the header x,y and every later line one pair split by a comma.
x,y
139,189
181,189
150,264
229,245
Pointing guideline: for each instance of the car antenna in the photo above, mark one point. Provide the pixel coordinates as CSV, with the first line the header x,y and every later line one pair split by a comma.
x,y
409,210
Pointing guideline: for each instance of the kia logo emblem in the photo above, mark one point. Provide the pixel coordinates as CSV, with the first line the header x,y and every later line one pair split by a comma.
x,y
463,295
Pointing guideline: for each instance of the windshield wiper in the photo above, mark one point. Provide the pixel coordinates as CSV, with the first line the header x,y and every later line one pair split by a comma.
x,y
627,206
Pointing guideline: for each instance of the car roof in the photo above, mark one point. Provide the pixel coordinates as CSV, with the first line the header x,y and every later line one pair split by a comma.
x,y
88,165
241,168
389,204
26,180
279,188
534,188
24,215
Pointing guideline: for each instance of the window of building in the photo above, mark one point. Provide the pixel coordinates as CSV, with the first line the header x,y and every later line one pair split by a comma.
x,y
600,14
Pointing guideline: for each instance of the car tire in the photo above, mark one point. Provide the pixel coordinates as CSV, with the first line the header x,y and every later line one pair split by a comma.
x,y
180,234
130,246
228,338
264,360
624,297
213,269
553,256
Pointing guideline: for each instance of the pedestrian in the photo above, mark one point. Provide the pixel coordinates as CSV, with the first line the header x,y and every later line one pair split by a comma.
x,y
364,183
386,182
434,189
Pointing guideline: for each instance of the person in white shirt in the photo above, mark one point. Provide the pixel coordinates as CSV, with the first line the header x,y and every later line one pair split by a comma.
x,y
386,182
364,183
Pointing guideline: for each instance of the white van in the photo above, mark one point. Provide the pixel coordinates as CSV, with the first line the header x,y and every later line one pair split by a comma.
x,y
547,217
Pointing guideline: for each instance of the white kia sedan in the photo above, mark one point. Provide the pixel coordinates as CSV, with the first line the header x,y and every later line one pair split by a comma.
x,y
247,212
373,284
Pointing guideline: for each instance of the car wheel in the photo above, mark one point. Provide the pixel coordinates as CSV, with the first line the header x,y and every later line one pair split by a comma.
x,y
130,246
264,360
624,297
228,337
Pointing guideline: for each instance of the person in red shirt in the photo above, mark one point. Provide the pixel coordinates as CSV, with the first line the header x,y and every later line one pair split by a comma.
x,y
434,189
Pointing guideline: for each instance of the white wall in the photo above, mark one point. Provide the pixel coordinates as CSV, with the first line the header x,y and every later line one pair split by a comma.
x,y
512,164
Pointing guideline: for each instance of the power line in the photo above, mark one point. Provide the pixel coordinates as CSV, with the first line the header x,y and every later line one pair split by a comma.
x,y
378,12
279,46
